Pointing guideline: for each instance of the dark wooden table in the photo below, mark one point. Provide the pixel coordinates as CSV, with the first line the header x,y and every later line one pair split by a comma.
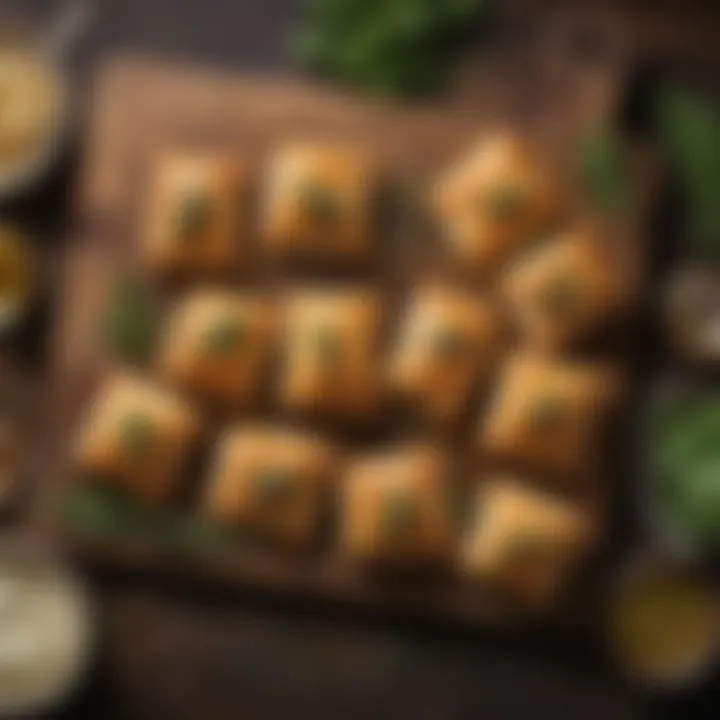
x,y
265,659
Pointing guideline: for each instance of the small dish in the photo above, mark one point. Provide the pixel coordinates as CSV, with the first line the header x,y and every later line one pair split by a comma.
x,y
663,624
48,628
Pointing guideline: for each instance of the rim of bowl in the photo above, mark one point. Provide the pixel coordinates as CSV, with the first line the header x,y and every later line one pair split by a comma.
x,y
24,549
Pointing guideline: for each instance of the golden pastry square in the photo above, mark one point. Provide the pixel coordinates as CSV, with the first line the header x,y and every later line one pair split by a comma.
x,y
448,340
524,539
493,200
218,344
271,480
137,436
547,412
320,203
331,351
196,217
395,508
563,289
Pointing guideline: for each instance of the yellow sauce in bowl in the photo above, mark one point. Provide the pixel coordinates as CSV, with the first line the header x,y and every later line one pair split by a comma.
x,y
664,626
17,274
31,97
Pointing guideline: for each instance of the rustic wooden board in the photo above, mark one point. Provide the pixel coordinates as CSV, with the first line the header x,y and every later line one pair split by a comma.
x,y
142,107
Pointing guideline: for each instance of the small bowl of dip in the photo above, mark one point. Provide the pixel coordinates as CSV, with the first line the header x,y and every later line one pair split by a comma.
x,y
45,626
663,624
35,96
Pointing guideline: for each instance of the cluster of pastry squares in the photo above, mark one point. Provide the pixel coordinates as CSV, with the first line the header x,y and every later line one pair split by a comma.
x,y
323,348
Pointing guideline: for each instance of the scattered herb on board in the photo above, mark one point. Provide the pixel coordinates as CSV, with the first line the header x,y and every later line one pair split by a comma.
x,y
131,320
403,48
689,129
96,509
604,171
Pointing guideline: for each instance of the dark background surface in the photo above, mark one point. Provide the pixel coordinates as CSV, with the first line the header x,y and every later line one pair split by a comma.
x,y
293,661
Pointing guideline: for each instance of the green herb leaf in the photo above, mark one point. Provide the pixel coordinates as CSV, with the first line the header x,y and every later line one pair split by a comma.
x,y
274,486
504,202
398,514
547,411
223,337
137,434
193,215
131,320
319,202
604,171
562,296
448,344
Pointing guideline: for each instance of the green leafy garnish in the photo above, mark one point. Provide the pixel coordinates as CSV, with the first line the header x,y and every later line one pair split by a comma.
x,y
137,434
448,344
328,345
690,132
389,47
192,215
604,171
398,514
103,510
131,320
223,337
547,411
274,486
504,202
319,202
527,547
561,296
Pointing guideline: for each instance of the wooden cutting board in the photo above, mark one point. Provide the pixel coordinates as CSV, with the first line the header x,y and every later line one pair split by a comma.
x,y
141,107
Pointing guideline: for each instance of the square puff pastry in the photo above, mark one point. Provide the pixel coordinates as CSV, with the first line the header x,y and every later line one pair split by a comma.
x,y
136,436
271,480
493,200
331,352
447,342
218,343
319,203
395,508
563,289
523,539
194,216
546,412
